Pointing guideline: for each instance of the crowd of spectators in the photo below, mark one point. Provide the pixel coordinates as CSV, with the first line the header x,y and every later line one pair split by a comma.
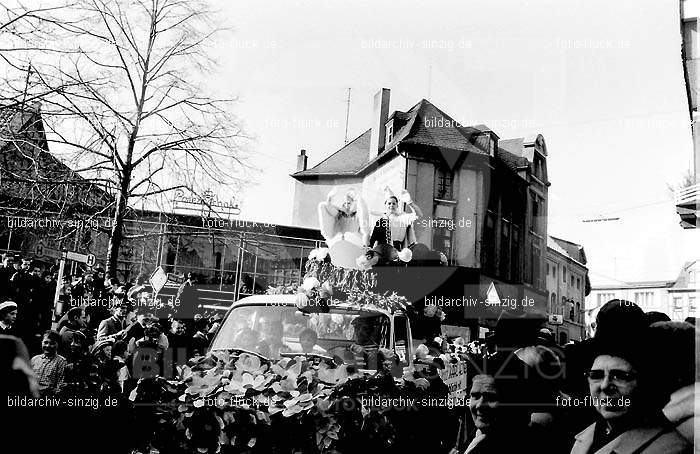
x,y
101,337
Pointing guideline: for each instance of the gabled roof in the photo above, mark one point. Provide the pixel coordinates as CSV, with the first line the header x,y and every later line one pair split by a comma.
x,y
567,248
424,125
349,160
25,160
682,280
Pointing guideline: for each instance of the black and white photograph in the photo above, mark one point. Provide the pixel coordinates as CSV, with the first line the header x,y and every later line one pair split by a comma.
x,y
349,227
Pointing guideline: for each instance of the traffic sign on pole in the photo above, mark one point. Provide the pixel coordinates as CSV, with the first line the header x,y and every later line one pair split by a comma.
x,y
158,279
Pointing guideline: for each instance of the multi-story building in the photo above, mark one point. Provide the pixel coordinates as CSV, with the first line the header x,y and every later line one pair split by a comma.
x,y
35,183
43,200
484,199
688,198
678,298
567,285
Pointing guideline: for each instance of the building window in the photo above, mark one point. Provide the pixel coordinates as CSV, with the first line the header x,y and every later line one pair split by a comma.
x,y
444,179
572,314
442,239
563,305
563,338
572,280
489,243
578,312
537,213
578,283
389,133
539,167
604,298
515,254
504,261
563,275
553,303
535,263
691,306
677,303
548,269
644,299
554,271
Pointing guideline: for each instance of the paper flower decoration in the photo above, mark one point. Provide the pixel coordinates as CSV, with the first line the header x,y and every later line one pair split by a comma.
x,y
326,290
310,283
422,351
405,255
301,300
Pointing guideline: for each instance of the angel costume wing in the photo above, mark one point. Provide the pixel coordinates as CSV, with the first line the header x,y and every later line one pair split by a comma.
x,y
363,219
327,220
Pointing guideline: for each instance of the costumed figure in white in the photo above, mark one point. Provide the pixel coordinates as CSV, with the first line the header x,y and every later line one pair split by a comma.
x,y
346,222
345,228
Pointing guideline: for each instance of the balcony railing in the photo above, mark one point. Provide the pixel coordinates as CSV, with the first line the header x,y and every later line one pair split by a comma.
x,y
691,194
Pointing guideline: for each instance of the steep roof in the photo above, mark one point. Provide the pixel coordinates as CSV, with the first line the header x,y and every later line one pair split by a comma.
x,y
29,168
567,248
423,124
427,125
347,161
513,161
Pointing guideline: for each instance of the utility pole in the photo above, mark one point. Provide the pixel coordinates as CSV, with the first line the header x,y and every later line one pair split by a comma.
x,y
347,116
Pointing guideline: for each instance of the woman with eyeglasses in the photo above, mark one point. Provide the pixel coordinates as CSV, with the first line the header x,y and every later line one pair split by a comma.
x,y
628,402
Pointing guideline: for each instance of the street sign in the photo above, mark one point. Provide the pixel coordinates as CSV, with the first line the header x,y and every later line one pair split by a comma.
x,y
88,259
41,251
158,279
176,278
556,319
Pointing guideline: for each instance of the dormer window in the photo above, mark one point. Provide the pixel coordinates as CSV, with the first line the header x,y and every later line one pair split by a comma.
x,y
389,132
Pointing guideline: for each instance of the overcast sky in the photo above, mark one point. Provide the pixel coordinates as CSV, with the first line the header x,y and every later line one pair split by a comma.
x,y
601,80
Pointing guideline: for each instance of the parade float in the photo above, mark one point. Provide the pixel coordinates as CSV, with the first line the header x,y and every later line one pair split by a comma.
x,y
337,364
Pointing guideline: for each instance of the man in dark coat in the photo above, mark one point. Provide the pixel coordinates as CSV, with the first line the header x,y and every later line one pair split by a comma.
x,y
117,324
500,416
7,269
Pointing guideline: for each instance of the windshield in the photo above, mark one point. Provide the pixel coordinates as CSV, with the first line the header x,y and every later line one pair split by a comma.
x,y
349,337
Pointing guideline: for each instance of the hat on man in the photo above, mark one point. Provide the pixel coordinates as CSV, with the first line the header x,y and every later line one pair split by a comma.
x,y
100,344
7,306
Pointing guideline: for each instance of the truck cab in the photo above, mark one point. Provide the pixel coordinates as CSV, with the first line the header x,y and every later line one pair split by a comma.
x,y
273,327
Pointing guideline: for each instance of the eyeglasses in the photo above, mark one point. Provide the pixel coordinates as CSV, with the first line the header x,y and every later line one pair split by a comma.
x,y
617,376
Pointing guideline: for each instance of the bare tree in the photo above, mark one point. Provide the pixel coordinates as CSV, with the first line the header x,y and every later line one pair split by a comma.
x,y
121,103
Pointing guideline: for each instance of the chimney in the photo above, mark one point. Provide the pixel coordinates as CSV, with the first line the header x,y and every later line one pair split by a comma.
x,y
380,115
301,161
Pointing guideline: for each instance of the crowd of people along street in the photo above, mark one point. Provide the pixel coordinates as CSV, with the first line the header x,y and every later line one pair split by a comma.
x,y
629,389
104,329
